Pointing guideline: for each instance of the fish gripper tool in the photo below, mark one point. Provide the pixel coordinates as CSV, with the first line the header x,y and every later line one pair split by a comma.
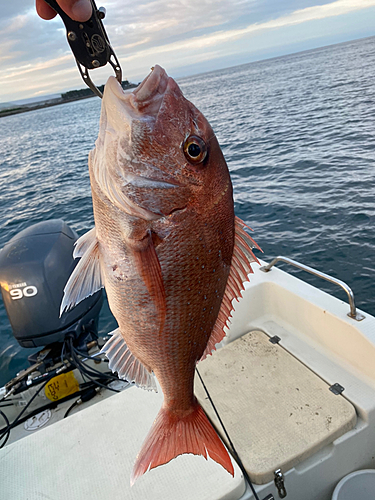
x,y
89,43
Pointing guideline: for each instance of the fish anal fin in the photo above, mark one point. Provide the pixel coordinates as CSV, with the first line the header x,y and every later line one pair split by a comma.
x,y
86,279
172,435
148,266
242,258
127,366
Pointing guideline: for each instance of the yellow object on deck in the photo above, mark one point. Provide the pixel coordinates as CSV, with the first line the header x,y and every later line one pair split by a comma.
x,y
61,386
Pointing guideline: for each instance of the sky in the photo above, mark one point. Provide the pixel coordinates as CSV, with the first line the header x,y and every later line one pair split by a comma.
x,y
184,36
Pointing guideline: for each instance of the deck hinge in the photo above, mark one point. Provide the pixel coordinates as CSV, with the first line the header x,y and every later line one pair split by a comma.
x,y
337,389
279,482
275,339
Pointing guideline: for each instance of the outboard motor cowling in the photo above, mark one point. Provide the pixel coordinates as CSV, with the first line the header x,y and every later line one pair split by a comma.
x,y
34,268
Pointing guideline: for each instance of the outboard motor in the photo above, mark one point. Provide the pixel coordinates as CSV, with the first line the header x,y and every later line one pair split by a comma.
x,y
34,268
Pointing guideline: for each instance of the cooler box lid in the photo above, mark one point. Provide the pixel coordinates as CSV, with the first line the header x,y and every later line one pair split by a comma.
x,y
276,410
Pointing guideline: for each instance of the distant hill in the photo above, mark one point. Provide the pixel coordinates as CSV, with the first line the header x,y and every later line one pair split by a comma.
x,y
22,105
30,100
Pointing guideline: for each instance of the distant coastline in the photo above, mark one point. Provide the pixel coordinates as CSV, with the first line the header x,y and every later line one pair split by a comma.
x,y
70,96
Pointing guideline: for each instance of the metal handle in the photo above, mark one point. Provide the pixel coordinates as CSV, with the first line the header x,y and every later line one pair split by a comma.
x,y
353,312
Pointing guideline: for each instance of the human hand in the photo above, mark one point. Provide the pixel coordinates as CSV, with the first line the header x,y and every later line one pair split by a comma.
x,y
79,10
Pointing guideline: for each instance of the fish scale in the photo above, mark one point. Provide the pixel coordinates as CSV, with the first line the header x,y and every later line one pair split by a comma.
x,y
169,251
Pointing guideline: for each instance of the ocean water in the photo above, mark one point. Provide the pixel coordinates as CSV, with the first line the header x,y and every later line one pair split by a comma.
x,y
298,133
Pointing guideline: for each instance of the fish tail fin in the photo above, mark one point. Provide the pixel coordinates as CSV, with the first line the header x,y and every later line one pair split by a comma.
x,y
172,435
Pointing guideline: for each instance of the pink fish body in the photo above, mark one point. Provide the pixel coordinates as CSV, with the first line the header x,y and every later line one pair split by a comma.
x,y
169,251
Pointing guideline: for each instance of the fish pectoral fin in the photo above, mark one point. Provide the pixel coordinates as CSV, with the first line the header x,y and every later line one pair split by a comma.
x,y
83,243
149,268
86,279
127,366
242,258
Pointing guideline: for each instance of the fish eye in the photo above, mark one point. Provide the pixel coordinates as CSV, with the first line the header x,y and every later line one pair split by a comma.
x,y
195,149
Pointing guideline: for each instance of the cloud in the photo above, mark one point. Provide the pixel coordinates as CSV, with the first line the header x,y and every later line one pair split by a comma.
x,y
337,8
17,23
175,33
167,20
195,46
21,71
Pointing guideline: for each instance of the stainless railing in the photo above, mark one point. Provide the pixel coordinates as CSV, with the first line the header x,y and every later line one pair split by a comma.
x,y
353,312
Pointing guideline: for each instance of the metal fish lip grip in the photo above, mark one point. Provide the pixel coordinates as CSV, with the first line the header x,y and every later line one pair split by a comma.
x,y
89,43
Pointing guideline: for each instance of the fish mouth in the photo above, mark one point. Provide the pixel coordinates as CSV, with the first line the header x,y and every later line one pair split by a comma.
x,y
144,102
126,118
149,95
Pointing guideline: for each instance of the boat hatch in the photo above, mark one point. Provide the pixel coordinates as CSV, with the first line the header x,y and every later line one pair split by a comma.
x,y
276,411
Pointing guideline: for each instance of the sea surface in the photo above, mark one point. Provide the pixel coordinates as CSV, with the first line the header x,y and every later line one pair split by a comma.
x,y
298,133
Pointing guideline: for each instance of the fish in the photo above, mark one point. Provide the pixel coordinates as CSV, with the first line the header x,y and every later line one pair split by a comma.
x,y
169,251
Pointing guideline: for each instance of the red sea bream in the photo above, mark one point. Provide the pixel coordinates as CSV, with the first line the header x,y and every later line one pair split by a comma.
x,y
169,251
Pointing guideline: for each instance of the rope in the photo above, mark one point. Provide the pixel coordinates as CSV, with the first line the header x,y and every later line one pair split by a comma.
x,y
231,445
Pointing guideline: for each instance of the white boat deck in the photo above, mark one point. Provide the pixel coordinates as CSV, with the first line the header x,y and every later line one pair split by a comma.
x,y
90,455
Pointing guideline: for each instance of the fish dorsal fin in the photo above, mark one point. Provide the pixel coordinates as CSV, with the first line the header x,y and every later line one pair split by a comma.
x,y
127,366
242,258
86,279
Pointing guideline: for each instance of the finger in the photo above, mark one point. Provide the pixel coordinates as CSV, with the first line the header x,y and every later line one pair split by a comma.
x,y
44,10
79,10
